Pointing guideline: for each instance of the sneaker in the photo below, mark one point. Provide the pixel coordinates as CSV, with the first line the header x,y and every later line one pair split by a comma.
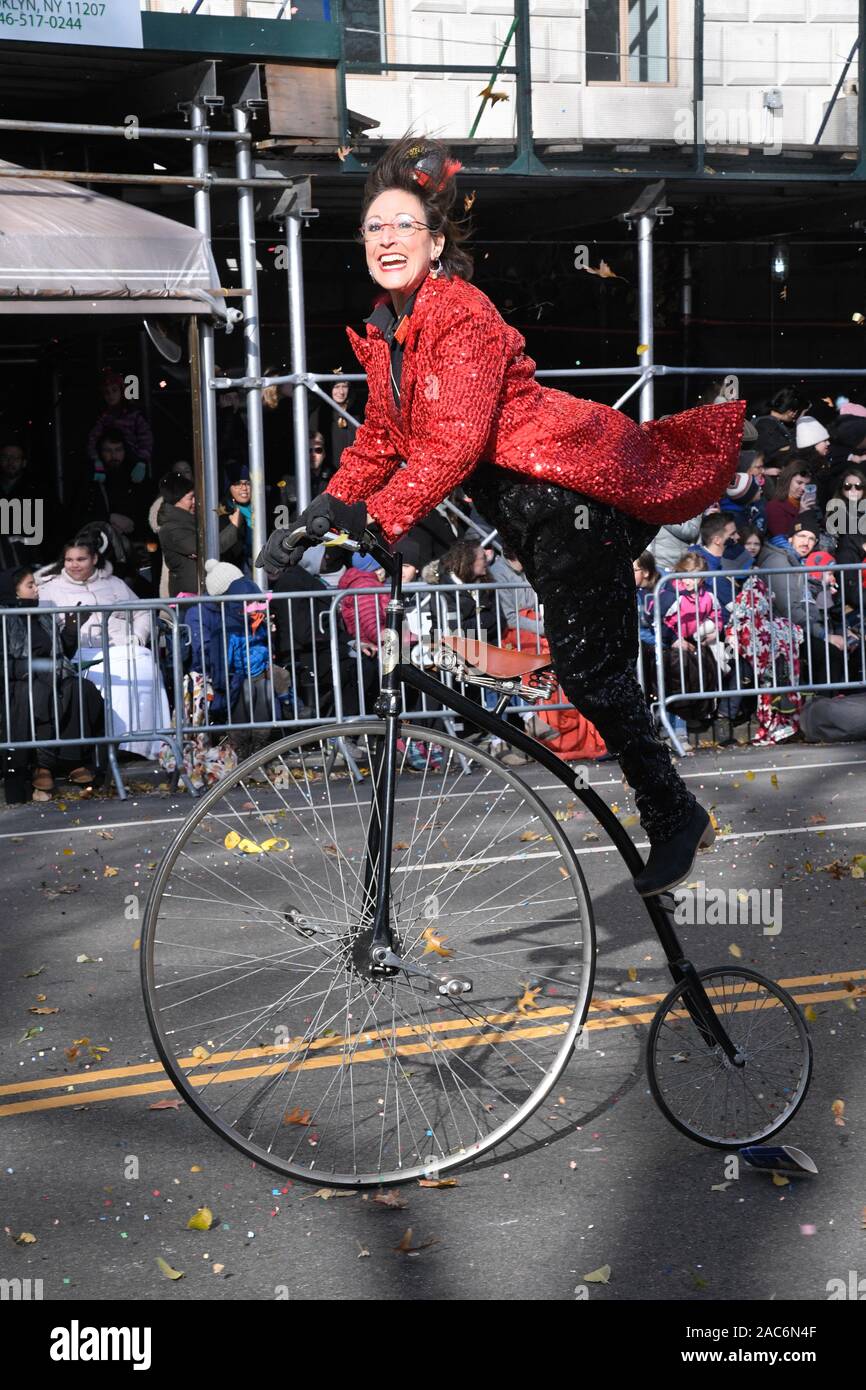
x,y
670,861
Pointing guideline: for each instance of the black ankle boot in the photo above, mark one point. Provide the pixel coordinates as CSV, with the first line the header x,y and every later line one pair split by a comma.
x,y
670,861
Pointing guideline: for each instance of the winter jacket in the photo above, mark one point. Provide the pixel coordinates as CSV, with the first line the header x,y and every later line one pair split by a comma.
x,y
467,610
178,538
781,515
469,395
103,587
690,610
789,585
364,616
512,601
672,542
229,643
134,428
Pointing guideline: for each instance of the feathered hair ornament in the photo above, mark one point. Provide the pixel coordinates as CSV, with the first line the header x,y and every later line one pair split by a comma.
x,y
429,170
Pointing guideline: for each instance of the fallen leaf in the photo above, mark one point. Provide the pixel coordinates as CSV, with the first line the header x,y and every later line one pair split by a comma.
x,y
25,1238
529,835
109,872
343,152
720,1187
603,270
810,1014
779,1180
401,844
632,973
200,1054
31,1033
43,1011
774,781
40,998
750,776
468,200
438,1182
326,1193
434,944
166,1104
31,974
363,1252
136,943
392,1199
166,1269
817,819
84,959
598,1276
59,892
735,950
526,1003
202,1221
407,1248
217,1269
298,1117
590,835
838,1108
105,834
630,820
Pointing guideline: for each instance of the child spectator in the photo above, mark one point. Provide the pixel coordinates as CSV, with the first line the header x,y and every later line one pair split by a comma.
x,y
696,616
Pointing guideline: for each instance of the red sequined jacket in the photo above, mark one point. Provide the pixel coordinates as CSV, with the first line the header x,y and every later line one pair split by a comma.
x,y
469,394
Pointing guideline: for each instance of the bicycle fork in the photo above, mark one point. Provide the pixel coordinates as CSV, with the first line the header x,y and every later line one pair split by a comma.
x,y
695,998
374,952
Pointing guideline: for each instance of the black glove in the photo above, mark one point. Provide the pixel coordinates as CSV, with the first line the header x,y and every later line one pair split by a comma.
x,y
325,513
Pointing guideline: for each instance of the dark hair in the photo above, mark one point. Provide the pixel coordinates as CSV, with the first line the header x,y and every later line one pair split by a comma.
x,y
853,471
788,398
714,524
796,468
746,532
647,562
83,541
460,559
110,437
398,167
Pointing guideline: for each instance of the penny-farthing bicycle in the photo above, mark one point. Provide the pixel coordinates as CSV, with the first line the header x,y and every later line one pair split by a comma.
x,y
357,974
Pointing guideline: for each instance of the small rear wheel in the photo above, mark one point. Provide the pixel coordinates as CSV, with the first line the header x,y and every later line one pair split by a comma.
x,y
704,1094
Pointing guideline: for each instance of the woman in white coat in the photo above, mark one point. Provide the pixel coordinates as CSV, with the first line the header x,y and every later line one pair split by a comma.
x,y
132,687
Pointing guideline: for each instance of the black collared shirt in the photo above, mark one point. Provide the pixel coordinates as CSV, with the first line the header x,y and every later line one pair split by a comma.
x,y
385,319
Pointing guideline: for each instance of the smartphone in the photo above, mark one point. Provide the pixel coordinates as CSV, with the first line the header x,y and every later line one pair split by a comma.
x,y
810,492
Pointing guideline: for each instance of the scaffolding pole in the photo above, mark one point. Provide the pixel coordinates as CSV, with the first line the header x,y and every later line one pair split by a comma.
x,y
646,330
252,338
297,338
210,498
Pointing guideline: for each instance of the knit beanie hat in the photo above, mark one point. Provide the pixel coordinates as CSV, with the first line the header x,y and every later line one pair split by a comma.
x,y
810,432
819,557
219,574
852,408
364,562
750,434
808,521
174,486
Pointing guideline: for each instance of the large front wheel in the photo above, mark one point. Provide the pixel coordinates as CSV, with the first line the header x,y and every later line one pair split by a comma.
x,y
256,963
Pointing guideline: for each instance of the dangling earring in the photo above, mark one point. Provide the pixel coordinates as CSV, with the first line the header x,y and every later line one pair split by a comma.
x,y
435,268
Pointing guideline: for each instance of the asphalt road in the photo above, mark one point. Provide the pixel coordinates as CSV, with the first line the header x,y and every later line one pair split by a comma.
x,y
597,1178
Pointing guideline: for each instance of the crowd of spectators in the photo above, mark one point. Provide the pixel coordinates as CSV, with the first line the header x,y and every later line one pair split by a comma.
x,y
88,663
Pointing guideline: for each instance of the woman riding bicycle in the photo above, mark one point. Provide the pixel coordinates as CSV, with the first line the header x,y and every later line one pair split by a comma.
x,y
575,488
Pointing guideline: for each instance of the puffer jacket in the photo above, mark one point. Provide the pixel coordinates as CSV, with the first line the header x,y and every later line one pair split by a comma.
x,y
672,542
469,395
103,587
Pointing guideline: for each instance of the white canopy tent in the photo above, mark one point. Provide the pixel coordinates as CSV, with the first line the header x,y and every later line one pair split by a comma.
x,y
67,250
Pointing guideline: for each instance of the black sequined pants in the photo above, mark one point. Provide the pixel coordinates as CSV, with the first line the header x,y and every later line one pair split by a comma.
x,y
578,555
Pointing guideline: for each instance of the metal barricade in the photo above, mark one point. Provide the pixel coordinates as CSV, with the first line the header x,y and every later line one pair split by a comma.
x,y
797,633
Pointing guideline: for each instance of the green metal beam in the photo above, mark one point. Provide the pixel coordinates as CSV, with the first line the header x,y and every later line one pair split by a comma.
x,y
261,40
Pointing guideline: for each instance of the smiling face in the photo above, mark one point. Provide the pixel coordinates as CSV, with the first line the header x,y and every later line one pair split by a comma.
x,y
241,492
340,392
400,264
79,563
797,486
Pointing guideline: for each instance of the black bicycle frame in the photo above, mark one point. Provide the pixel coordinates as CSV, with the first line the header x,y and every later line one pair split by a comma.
x,y
377,878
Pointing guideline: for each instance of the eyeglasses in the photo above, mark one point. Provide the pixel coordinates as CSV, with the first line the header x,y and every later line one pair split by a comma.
x,y
852,487
403,227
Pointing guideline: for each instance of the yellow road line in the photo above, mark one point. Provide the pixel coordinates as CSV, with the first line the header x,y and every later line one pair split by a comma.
x,y
406,1049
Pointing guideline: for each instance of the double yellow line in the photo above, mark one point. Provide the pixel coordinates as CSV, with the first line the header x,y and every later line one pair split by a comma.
x,y
452,1035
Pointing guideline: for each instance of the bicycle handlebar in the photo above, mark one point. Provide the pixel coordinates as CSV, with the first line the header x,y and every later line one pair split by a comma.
x,y
386,560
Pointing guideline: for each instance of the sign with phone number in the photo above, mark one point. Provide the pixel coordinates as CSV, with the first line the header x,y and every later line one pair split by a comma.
x,y
107,23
